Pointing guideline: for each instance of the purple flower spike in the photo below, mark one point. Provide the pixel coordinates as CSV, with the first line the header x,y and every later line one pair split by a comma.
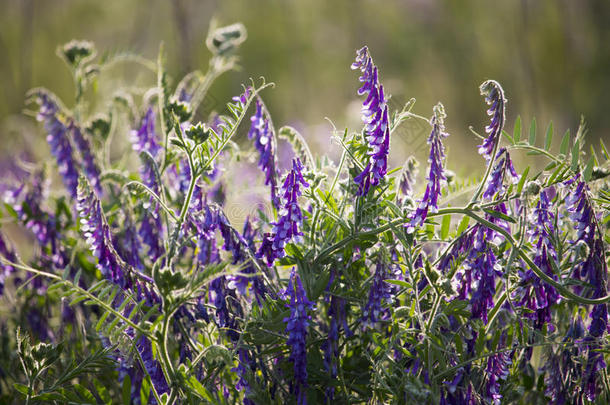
x,y
6,252
296,327
144,139
497,369
494,97
58,141
82,144
538,295
375,117
436,176
379,293
97,232
589,265
261,132
286,228
504,166
478,279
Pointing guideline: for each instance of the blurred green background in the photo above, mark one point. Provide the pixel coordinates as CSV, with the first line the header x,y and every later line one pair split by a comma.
x,y
552,58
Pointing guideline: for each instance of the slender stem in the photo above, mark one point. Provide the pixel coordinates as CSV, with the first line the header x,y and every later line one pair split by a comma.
x,y
185,207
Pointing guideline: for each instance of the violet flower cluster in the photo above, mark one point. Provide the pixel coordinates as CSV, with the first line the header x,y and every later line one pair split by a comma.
x,y
503,168
377,127
57,137
97,233
494,97
261,133
296,327
593,270
537,295
144,140
286,228
91,169
379,293
436,176
27,201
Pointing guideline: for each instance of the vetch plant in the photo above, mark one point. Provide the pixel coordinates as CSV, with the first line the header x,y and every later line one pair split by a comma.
x,y
363,283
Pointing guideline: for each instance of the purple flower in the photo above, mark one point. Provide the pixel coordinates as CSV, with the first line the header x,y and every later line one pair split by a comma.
x,y
97,232
375,117
589,265
153,368
6,252
246,364
238,244
436,176
478,277
262,134
27,203
206,223
83,146
296,327
129,244
144,139
408,178
380,293
494,97
503,167
58,141
537,295
497,369
243,98
286,228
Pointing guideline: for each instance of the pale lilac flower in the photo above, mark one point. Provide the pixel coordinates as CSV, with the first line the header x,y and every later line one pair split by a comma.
x,y
436,176
494,97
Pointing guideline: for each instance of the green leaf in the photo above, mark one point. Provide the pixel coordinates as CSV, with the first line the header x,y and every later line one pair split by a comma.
x,y
549,136
532,138
115,176
586,174
145,390
463,225
400,283
23,389
604,149
102,392
522,180
446,222
85,393
517,130
499,215
126,390
565,143
575,156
